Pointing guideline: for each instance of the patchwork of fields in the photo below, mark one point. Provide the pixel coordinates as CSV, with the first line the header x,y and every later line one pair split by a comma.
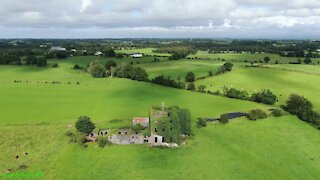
x,y
36,114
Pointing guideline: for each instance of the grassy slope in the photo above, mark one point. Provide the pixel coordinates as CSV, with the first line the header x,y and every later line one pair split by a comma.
x,y
282,83
180,68
246,56
283,148
273,148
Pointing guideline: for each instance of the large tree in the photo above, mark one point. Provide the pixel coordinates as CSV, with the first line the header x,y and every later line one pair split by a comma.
x,y
190,77
85,125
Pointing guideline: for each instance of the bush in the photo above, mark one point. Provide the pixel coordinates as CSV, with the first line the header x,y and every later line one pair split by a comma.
x,y
110,64
191,87
224,118
257,114
266,97
55,65
69,133
190,77
76,66
96,70
302,107
201,122
137,129
234,93
102,142
79,138
84,124
277,113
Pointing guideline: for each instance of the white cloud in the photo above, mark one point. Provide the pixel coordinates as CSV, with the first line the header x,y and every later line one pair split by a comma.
x,y
165,17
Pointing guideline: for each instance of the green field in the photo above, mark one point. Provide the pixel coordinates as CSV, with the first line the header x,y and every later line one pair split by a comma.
x,y
35,116
145,51
241,57
180,68
281,82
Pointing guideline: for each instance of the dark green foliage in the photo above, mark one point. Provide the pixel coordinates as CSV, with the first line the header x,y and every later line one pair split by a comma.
x,y
265,96
302,107
224,118
237,94
31,60
225,67
84,124
257,114
41,62
76,66
61,54
185,121
191,87
110,64
109,53
96,70
167,81
11,59
228,66
307,61
137,128
55,65
210,73
69,133
266,59
201,122
178,55
190,77
128,71
277,113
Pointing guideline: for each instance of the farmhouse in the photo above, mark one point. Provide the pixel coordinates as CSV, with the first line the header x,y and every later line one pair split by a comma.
x,y
164,127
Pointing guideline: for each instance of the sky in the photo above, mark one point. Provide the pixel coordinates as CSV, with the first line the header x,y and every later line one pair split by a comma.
x,y
271,19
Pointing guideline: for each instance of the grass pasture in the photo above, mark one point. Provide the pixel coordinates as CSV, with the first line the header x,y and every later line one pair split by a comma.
x,y
180,68
241,57
281,82
36,115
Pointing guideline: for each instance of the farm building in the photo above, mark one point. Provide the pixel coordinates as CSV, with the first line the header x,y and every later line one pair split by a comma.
x,y
136,55
57,48
143,121
98,53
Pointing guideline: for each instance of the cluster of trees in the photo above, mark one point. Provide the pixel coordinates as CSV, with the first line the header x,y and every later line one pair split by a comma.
x,y
124,70
13,59
57,54
178,52
225,68
265,96
167,81
303,108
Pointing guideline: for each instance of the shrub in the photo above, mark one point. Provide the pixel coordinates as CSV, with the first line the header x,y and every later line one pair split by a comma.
x,y
102,142
224,118
55,65
202,88
277,113
69,133
79,138
190,77
191,87
137,129
257,114
110,64
84,124
210,73
96,70
76,66
266,97
201,122
302,107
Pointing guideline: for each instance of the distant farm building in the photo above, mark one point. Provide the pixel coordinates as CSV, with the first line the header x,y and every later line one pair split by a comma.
x,y
136,55
99,53
143,121
57,48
